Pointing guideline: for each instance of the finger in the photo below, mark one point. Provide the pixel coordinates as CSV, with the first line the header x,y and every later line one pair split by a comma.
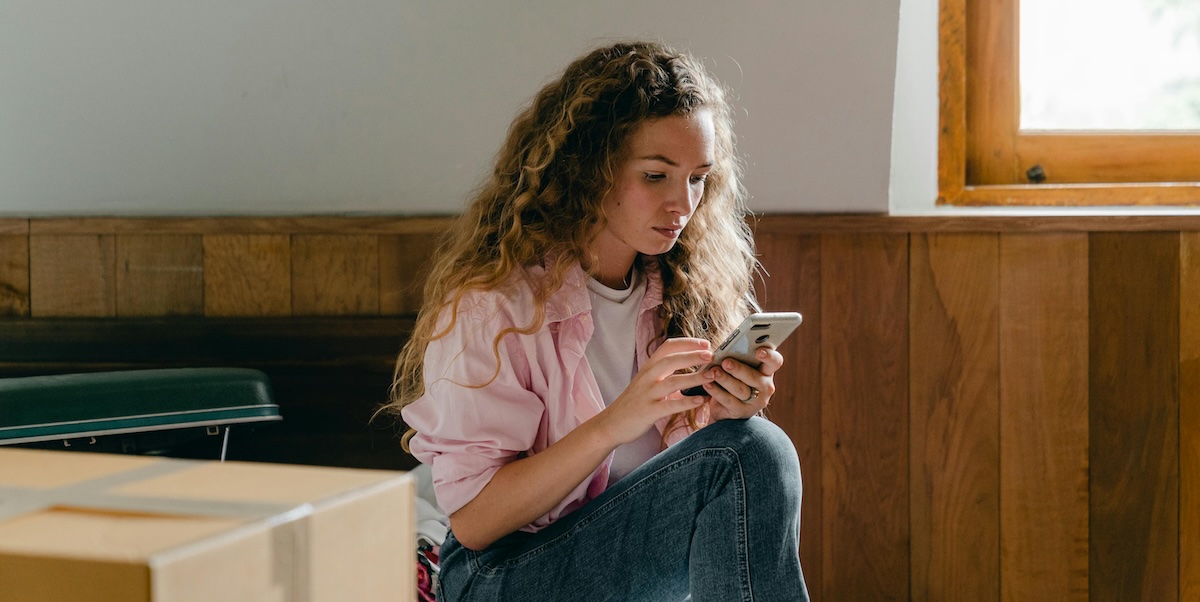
x,y
673,362
677,383
771,360
675,405
733,406
738,378
678,344
737,388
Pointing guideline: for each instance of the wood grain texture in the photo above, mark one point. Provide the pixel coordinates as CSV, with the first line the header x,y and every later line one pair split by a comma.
x,y
1044,417
1133,390
1073,195
864,416
72,275
793,283
1115,157
952,105
861,223
1189,417
993,104
335,275
240,225
15,226
160,275
247,275
14,275
404,263
954,411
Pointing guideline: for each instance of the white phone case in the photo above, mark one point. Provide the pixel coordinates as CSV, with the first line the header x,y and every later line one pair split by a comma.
x,y
757,330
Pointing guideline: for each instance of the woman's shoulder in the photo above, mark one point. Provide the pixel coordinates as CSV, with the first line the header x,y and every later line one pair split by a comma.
x,y
513,298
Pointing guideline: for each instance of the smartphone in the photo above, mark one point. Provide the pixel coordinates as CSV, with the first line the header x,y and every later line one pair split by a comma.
x,y
757,330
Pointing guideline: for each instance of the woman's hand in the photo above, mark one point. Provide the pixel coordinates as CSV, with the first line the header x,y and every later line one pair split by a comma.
x,y
739,391
654,392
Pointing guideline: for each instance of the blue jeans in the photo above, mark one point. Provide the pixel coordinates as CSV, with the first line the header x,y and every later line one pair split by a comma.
x,y
716,516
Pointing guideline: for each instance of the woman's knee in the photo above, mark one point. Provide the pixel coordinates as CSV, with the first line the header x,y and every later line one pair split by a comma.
x,y
758,442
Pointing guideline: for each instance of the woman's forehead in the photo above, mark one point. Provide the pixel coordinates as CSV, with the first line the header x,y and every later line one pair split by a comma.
x,y
683,140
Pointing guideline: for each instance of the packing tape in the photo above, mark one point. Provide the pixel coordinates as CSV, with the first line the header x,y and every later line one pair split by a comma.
x,y
289,524
290,551
92,493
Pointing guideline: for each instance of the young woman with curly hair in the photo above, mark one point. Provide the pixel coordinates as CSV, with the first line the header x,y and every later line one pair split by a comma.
x,y
565,312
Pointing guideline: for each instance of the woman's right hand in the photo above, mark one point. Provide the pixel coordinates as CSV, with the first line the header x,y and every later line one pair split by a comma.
x,y
654,392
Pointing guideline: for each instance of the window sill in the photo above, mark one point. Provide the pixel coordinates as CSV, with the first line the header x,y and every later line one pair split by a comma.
x,y
1172,196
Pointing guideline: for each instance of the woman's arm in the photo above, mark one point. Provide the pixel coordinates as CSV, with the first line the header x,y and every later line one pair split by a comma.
x,y
525,489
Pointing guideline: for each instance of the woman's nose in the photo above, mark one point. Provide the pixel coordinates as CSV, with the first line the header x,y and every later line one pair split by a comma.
x,y
682,199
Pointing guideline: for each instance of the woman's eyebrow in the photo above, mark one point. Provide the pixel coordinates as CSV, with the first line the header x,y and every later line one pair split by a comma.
x,y
668,161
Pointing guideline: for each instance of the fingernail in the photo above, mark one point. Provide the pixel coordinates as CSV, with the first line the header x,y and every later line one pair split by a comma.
x,y
762,353
729,364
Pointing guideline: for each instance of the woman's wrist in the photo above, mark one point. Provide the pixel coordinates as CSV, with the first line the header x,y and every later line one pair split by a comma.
x,y
601,430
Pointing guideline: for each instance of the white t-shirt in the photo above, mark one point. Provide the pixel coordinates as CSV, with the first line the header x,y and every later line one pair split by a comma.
x,y
611,355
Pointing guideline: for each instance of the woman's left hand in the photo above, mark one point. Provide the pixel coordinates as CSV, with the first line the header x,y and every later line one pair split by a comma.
x,y
739,391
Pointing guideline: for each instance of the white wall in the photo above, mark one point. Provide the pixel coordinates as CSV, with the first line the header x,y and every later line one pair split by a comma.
x,y
914,141
216,107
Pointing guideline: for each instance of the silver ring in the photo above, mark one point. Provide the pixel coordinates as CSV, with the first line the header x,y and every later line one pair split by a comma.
x,y
753,395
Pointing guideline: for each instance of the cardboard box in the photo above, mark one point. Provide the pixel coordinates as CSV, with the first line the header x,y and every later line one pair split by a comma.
x,y
98,527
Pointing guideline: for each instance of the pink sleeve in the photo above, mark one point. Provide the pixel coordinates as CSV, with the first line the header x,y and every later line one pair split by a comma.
x,y
466,433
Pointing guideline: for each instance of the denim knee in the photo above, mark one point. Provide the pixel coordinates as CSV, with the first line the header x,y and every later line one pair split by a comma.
x,y
760,445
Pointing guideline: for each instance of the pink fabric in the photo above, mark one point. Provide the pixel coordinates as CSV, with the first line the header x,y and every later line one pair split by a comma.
x,y
544,388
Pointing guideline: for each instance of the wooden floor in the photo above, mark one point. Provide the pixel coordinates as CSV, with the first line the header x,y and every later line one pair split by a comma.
x,y
985,409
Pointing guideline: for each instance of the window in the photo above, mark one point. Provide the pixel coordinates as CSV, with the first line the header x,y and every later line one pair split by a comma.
x,y
1008,138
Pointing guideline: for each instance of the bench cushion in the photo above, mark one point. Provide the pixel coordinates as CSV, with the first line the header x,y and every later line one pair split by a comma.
x,y
44,408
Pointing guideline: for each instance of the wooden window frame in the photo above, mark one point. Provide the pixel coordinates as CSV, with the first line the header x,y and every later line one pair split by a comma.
x,y
983,158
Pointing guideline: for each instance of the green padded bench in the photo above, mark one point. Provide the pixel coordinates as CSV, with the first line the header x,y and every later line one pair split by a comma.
x,y
82,410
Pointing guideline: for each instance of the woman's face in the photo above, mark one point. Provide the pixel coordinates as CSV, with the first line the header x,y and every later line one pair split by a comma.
x,y
659,183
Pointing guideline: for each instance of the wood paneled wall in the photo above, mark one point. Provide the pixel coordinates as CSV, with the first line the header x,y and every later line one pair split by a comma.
x,y
1001,409
221,267
985,408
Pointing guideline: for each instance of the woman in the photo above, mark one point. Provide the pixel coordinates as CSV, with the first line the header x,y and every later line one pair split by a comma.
x,y
563,316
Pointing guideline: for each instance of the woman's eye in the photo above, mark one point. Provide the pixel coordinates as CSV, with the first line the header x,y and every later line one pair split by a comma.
x,y
655,177
699,179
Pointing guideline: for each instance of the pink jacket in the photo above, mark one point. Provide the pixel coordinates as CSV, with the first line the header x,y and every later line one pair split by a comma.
x,y
543,390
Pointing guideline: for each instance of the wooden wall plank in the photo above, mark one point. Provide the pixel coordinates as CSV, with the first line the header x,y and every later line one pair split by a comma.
x,y
864,416
954,412
1044,417
366,224
247,275
793,283
72,275
335,274
1134,416
1189,417
404,263
160,275
14,226
14,275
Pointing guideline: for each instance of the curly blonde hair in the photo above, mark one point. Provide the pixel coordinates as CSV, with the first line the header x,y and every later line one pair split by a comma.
x,y
542,205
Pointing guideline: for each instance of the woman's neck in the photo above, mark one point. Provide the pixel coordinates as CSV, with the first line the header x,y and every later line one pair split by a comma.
x,y
613,274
